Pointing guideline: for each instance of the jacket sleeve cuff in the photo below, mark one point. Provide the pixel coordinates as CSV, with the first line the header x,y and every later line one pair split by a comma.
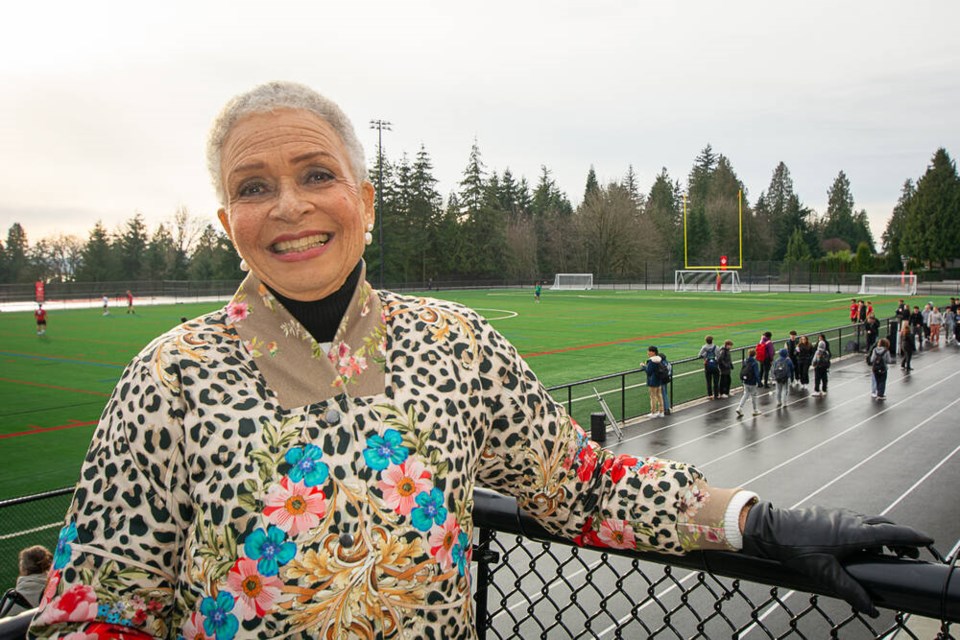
x,y
731,519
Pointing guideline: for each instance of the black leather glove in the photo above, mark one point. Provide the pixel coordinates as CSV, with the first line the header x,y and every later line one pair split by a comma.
x,y
815,540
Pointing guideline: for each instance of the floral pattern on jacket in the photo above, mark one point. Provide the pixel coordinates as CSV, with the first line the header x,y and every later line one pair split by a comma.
x,y
237,490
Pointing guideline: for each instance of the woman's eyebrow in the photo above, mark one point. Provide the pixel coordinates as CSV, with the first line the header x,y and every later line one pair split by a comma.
x,y
310,155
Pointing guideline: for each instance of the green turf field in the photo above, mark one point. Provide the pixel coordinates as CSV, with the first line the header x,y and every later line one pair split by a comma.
x,y
53,388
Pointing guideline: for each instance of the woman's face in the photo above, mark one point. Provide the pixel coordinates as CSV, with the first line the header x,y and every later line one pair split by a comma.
x,y
294,211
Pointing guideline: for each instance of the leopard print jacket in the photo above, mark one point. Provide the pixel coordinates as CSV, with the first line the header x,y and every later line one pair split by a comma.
x,y
247,482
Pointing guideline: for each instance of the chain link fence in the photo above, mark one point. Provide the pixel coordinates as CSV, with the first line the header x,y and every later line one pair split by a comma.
x,y
531,584
27,521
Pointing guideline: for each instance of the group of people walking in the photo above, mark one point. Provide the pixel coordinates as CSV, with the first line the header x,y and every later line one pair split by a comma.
x,y
791,364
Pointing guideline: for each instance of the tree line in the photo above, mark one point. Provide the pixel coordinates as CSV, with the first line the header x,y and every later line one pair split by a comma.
x,y
496,225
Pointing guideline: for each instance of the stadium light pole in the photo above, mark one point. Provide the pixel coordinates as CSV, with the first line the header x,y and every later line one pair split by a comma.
x,y
380,125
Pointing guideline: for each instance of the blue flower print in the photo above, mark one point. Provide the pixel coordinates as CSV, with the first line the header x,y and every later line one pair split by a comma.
x,y
61,556
459,552
270,548
103,611
431,510
382,451
218,621
305,465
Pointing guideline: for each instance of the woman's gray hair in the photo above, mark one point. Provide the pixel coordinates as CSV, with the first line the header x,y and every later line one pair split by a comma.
x,y
271,97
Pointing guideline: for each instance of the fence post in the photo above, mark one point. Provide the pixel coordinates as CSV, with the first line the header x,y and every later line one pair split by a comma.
x,y
598,427
485,557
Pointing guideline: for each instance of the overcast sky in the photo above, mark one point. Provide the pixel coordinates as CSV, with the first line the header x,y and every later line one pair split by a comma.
x,y
105,105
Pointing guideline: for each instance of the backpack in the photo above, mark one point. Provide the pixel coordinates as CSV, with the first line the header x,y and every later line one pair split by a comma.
x,y
780,370
822,359
711,360
879,362
761,351
748,374
664,371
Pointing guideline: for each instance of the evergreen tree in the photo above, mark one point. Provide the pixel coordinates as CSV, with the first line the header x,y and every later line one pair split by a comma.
x,y
97,257
204,260
472,185
893,235
16,254
160,255
630,183
4,269
797,248
839,220
933,218
551,212
132,245
663,208
592,185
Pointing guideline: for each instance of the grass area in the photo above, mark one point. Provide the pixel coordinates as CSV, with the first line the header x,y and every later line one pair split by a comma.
x,y
58,384
53,388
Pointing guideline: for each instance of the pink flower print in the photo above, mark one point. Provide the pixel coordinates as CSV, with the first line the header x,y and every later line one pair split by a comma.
x,y
691,501
401,483
237,311
193,627
77,604
255,593
53,581
347,365
617,534
80,635
442,540
272,348
294,507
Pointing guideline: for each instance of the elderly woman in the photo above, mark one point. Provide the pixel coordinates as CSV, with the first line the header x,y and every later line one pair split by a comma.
x,y
302,462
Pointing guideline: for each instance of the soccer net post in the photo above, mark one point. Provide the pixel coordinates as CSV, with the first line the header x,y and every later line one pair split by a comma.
x,y
707,280
573,281
875,283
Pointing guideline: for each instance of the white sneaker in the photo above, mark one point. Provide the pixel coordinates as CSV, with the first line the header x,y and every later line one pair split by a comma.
x,y
873,395
739,413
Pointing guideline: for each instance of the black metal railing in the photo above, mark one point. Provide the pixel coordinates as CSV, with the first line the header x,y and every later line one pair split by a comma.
x,y
531,583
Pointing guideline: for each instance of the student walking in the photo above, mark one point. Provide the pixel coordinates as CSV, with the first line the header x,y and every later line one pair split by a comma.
x,y
652,368
792,343
907,346
782,374
711,367
750,377
878,360
821,364
936,319
725,361
765,358
804,358
537,288
916,325
41,315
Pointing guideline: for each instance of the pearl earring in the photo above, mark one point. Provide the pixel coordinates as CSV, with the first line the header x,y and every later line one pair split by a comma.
x,y
244,266
368,236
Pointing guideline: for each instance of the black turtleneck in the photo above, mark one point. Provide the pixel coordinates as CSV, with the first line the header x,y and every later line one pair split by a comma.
x,y
322,317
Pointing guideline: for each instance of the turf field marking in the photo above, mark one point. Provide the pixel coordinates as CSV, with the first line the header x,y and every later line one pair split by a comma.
x,y
679,332
59,427
54,386
32,356
44,527
507,313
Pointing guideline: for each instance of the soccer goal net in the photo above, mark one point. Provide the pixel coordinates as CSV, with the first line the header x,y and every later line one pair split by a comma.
x,y
904,284
702,280
578,281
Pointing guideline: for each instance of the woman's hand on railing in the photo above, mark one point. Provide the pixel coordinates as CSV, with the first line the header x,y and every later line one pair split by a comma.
x,y
814,541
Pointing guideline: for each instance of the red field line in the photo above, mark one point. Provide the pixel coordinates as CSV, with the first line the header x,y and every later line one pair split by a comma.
x,y
36,430
667,334
53,386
